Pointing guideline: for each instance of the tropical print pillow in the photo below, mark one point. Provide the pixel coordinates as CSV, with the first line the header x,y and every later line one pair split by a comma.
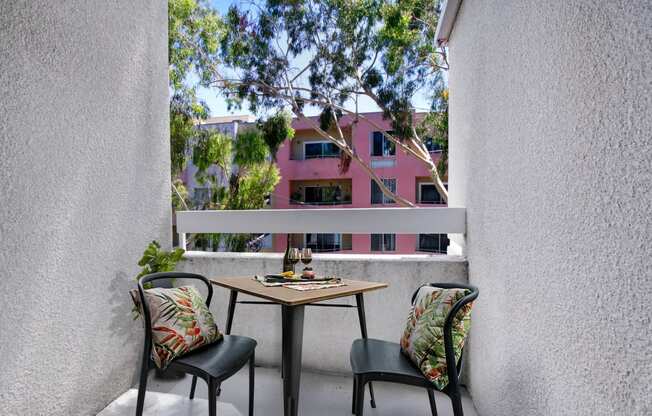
x,y
181,322
423,338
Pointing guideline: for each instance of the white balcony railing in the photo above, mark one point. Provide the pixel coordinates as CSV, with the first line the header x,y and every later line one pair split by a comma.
x,y
328,220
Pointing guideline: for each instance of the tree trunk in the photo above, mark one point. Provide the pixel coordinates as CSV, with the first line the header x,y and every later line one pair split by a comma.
x,y
439,184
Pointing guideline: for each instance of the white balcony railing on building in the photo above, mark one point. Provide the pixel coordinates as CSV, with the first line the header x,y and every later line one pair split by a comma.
x,y
329,220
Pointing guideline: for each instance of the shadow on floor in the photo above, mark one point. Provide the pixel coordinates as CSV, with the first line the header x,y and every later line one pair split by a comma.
x,y
321,395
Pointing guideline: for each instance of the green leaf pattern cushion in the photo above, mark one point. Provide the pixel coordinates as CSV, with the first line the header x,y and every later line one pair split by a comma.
x,y
181,322
423,338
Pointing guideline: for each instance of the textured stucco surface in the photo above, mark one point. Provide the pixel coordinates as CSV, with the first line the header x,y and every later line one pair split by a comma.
x,y
84,167
551,154
328,332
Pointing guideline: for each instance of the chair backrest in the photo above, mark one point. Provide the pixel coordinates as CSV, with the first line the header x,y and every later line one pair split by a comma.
x,y
145,307
452,367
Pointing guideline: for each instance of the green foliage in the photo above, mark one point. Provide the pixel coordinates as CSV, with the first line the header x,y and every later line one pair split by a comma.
x,y
244,184
435,126
194,32
251,177
327,117
384,49
202,240
250,148
184,110
254,187
156,260
180,199
277,129
211,148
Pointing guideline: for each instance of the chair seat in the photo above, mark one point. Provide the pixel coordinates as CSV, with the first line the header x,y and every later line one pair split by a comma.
x,y
384,361
219,360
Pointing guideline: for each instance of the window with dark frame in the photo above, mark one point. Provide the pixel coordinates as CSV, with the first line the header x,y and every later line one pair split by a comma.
x,y
323,242
428,194
433,243
377,196
383,242
319,150
381,146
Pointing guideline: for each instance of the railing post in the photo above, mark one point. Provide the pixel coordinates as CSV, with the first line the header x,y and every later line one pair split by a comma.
x,y
182,240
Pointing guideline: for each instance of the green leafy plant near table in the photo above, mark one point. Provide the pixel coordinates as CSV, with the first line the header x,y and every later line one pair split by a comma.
x,y
155,260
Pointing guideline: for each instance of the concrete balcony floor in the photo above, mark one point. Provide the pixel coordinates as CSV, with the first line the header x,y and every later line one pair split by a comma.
x,y
321,395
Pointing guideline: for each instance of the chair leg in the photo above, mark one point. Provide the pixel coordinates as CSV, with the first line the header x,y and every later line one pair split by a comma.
x,y
142,389
212,397
359,299
359,401
372,398
252,370
456,401
355,394
431,400
193,386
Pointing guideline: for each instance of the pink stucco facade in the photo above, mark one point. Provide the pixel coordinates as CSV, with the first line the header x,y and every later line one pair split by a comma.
x,y
407,171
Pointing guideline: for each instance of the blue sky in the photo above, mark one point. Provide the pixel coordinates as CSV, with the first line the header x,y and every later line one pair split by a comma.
x,y
218,106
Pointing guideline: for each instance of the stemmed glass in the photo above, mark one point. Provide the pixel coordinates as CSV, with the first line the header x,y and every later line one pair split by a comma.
x,y
294,256
306,256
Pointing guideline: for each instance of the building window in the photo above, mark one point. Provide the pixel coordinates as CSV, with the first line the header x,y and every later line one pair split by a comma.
x,y
383,242
320,243
428,193
377,196
432,145
324,195
433,243
381,146
319,150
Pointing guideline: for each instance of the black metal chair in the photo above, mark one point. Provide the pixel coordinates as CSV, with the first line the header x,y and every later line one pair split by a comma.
x,y
376,360
214,363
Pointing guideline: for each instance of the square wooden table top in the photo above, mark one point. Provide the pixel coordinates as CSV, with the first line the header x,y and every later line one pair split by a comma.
x,y
293,297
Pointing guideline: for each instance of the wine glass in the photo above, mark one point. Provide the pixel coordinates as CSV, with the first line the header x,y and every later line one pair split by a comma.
x,y
294,257
306,256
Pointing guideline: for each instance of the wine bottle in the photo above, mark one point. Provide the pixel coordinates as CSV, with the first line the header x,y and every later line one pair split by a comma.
x,y
287,264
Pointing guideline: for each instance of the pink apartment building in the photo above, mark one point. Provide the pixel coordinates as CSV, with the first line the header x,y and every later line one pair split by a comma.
x,y
310,177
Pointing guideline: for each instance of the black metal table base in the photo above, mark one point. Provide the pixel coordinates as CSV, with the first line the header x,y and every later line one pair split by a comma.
x,y
292,342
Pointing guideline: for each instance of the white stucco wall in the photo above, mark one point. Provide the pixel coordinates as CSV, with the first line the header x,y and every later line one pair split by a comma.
x,y
328,332
551,154
84,170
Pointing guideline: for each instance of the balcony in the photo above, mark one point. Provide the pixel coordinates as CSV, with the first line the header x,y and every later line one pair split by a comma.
x,y
321,192
326,367
308,145
549,154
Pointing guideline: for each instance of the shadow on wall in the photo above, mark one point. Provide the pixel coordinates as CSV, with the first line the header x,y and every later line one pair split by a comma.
x,y
123,327
122,331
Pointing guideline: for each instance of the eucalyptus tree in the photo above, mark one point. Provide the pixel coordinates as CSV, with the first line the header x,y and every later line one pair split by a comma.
x,y
330,55
194,33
